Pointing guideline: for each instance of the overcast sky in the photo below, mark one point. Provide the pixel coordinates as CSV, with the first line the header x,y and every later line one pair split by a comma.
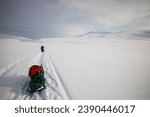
x,y
61,18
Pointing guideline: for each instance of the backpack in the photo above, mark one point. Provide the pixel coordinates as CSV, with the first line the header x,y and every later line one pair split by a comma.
x,y
37,79
34,70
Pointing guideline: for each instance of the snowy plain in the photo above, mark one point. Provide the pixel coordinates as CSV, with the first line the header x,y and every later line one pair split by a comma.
x,y
111,67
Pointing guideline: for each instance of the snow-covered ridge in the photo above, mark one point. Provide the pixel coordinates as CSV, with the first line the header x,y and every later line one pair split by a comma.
x,y
94,34
9,37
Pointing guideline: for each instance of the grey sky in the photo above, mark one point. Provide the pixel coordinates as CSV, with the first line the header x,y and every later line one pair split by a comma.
x,y
56,18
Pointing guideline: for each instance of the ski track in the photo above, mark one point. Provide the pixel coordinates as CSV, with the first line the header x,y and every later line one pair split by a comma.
x,y
11,66
55,87
52,91
59,83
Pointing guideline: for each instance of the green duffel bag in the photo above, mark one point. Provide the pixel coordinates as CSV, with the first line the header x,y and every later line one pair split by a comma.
x,y
37,82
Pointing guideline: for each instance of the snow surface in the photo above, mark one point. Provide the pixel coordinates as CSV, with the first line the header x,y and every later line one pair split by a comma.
x,y
77,68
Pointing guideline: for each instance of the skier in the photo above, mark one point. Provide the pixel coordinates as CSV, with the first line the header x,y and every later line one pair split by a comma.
x,y
42,48
37,79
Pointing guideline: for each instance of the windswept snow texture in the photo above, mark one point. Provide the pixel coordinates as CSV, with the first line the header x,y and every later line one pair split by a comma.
x,y
77,68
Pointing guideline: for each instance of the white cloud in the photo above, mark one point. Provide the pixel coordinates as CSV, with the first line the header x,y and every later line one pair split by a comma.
x,y
69,17
109,13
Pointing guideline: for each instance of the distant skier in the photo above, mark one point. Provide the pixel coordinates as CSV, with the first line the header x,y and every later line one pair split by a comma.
x,y
42,48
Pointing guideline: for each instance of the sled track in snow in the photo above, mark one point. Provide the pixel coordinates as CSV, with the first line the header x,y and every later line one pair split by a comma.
x,y
11,66
58,79
55,88
18,91
52,73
